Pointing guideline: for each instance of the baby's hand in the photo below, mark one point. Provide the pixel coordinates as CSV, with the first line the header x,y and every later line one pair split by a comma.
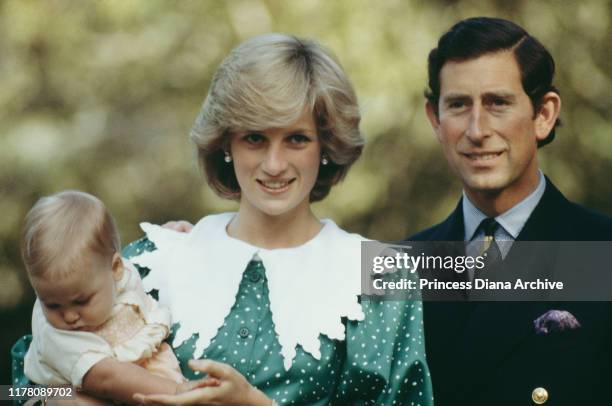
x,y
200,383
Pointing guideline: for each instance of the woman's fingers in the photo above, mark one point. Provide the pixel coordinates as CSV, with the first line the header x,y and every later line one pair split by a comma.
x,y
181,226
213,368
200,383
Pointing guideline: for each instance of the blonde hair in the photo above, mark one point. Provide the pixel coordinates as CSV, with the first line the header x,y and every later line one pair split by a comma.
x,y
63,230
268,82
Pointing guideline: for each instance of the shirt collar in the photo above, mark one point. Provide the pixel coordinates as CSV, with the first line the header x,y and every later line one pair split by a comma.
x,y
203,269
512,220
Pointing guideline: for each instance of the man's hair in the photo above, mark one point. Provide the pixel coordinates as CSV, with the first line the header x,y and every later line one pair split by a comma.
x,y
63,231
268,82
474,37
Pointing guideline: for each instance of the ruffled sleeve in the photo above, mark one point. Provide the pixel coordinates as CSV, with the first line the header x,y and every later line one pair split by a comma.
x,y
143,345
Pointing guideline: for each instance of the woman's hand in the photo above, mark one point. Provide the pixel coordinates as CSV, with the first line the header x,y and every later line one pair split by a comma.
x,y
200,383
181,226
233,389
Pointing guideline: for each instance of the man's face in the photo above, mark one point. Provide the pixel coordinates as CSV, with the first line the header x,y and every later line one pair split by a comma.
x,y
486,126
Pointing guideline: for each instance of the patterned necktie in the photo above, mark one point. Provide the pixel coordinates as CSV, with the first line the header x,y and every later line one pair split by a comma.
x,y
490,250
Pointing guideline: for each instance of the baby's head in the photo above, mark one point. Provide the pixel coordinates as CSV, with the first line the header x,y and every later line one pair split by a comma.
x,y
71,251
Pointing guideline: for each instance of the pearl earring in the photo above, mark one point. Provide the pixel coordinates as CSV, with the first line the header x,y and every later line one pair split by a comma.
x,y
324,160
227,158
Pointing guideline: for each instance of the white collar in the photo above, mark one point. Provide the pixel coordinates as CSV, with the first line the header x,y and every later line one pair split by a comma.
x,y
318,281
512,220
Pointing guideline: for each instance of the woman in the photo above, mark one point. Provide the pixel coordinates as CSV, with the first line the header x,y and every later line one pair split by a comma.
x,y
269,295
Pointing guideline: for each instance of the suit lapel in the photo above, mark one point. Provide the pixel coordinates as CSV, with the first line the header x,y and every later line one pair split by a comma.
x,y
444,321
452,228
545,222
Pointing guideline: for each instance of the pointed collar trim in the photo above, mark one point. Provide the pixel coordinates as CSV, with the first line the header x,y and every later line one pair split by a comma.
x,y
202,270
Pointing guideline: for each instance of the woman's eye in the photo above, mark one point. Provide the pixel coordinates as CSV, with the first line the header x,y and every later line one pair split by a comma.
x,y
253,138
81,302
298,139
52,306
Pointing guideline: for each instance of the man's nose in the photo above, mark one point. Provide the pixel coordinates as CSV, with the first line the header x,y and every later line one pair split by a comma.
x,y
478,126
275,161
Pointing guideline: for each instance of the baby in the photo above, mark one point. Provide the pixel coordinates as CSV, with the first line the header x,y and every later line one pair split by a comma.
x,y
93,326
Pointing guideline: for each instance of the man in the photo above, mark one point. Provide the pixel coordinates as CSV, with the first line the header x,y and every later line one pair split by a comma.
x,y
491,104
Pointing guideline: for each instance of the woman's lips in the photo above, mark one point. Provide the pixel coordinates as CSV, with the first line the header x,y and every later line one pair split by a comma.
x,y
275,186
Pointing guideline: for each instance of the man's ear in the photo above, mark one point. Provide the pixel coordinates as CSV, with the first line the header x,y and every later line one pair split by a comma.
x,y
546,117
117,267
432,115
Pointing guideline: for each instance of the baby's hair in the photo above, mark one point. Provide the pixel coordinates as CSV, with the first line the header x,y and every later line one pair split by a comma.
x,y
64,230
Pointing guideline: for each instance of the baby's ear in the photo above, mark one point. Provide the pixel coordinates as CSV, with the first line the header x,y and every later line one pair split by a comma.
x,y
117,267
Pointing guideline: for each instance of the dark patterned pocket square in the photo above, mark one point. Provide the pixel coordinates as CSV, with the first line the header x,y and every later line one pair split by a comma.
x,y
554,321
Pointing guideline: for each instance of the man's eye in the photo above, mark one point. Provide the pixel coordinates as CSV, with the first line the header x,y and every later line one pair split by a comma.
x,y
500,102
456,104
298,139
253,138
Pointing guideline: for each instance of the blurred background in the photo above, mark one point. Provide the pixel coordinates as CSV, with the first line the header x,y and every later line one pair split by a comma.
x,y
100,96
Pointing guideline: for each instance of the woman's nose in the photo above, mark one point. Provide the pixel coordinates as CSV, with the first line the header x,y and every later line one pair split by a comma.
x,y
275,161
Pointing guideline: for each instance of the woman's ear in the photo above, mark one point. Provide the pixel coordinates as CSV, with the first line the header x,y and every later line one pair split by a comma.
x,y
117,267
546,117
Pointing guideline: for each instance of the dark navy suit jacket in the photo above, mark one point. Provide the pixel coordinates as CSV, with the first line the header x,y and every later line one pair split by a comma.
x,y
487,353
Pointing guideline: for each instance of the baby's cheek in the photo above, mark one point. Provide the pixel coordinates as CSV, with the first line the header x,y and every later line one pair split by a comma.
x,y
54,320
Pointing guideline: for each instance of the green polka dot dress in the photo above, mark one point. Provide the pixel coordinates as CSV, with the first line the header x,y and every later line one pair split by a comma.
x,y
381,361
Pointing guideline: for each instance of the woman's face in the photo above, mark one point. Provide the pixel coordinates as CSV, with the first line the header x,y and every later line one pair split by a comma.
x,y
278,167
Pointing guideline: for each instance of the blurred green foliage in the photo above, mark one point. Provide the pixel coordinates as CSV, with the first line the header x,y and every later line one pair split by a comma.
x,y
100,95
